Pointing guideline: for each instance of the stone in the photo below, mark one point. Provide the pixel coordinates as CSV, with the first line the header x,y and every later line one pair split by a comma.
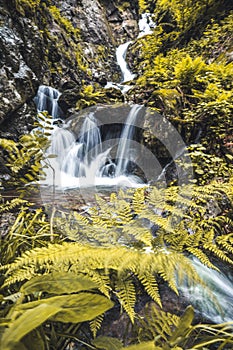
x,y
35,49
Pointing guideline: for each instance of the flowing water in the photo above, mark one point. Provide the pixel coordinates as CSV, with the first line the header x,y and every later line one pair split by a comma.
x,y
82,161
121,53
216,306
146,25
46,100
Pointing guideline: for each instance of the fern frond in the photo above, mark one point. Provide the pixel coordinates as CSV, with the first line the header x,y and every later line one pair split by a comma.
x,y
218,252
139,200
125,291
151,286
198,253
11,205
95,324
226,242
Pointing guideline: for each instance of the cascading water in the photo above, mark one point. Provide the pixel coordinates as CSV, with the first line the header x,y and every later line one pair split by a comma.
x,y
80,160
121,53
124,152
146,24
90,138
121,60
216,306
47,100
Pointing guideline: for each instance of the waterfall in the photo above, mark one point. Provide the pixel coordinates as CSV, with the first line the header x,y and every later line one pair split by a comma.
x,y
145,24
47,100
124,151
82,161
90,138
121,53
61,140
121,60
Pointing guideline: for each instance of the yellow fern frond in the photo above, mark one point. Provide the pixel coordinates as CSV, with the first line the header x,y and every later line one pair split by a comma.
x,y
126,294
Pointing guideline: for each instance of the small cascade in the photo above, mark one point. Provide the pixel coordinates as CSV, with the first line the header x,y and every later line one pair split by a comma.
x,y
82,161
90,138
146,24
121,60
121,53
61,140
124,151
47,100
215,304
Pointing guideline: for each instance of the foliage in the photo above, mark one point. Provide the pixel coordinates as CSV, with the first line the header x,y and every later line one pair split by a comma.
x,y
23,158
117,252
112,268
187,76
207,166
59,305
89,97
161,330
193,219
92,94
30,229
29,6
61,273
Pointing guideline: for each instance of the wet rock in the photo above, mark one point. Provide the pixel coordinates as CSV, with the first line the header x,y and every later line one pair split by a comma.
x,y
123,19
18,82
19,122
36,49
69,98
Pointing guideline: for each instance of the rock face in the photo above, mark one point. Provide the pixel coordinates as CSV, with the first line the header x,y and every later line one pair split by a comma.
x,y
18,82
57,43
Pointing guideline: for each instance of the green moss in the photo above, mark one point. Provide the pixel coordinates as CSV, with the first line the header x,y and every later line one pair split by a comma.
x,y
124,6
63,21
28,6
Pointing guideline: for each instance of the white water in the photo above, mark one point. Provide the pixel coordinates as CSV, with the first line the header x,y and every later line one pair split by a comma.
x,y
47,100
80,160
146,24
218,308
121,53
124,152
127,76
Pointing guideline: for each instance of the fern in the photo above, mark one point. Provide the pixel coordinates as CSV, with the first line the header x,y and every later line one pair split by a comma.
x,y
182,219
169,331
100,264
95,324
126,294
6,206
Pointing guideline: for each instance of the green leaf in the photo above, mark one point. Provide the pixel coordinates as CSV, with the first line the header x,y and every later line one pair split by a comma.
x,y
183,326
107,343
58,283
73,308
82,307
143,346
27,322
